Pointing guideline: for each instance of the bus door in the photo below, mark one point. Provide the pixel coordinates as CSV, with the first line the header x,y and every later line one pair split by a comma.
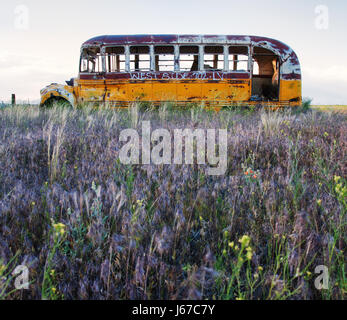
x,y
91,83
265,75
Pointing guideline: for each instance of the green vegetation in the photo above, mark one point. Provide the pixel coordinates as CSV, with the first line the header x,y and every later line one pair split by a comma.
x,y
89,227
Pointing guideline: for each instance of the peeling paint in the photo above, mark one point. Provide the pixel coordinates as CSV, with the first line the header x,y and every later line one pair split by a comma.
x,y
59,91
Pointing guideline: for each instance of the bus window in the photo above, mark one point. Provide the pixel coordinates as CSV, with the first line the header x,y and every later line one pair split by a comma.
x,y
140,58
91,61
255,68
213,58
115,59
238,58
164,58
189,58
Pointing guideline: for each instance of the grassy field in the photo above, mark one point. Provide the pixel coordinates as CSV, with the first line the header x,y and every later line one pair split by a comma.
x,y
330,108
89,227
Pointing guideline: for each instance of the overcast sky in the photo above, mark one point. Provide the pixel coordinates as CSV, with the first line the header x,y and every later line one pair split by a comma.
x,y
40,39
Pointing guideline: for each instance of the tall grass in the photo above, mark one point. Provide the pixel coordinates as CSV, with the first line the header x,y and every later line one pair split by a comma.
x,y
272,121
90,227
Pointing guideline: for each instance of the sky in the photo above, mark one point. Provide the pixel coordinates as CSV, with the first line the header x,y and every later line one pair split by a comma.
x,y
40,39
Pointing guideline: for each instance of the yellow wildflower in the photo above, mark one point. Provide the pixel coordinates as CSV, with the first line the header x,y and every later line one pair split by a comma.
x,y
231,244
2,269
59,226
245,240
337,178
249,255
59,229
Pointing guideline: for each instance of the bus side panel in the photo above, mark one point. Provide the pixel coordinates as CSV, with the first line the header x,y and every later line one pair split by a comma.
x,y
214,91
189,91
164,91
224,91
290,90
139,91
128,91
116,91
239,92
91,91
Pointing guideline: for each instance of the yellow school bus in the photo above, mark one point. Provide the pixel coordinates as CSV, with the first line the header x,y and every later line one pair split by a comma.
x,y
218,70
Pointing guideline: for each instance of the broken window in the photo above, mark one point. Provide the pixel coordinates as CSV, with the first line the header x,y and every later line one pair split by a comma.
x,y
266,61
91,61
164,58
238,58
213,58
115,59
189,58
265,74
140,58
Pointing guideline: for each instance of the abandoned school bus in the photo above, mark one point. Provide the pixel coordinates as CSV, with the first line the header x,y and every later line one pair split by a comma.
x,y
211,69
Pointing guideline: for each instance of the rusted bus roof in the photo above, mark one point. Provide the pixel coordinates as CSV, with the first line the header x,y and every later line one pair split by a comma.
x,y
290,68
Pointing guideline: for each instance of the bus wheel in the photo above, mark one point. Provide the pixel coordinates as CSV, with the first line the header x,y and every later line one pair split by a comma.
x,y
56,101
